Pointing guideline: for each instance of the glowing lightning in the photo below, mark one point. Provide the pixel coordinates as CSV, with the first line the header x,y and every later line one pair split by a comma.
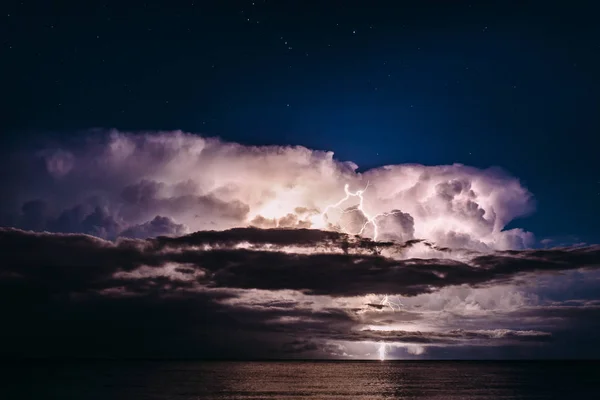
x,y
382,351
387,302
371,219
337,205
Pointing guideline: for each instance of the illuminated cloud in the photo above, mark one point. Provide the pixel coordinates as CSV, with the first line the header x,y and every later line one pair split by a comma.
x,y
170,244
108,183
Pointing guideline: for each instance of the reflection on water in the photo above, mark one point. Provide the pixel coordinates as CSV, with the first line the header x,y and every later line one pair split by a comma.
x,y
302,380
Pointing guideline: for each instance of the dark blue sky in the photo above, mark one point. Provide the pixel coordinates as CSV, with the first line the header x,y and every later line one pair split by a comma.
x,y
513,85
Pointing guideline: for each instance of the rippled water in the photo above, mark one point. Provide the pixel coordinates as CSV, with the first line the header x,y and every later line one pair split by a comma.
x,y
302,380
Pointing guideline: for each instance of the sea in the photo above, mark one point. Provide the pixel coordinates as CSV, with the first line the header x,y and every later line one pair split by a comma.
x,y
348,380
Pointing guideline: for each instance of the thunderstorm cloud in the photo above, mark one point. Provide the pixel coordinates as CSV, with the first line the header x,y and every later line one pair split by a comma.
x,y
170,244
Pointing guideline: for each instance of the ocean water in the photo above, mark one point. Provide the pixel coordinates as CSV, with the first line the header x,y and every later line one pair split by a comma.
x,y
300,380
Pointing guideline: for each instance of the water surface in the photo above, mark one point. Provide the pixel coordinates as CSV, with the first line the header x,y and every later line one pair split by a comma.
x,y
301,380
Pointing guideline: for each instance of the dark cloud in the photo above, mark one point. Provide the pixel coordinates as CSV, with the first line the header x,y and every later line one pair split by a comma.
x,y
451,337
299,346
351,272
256,236
327,274
159,226
148,325
73,294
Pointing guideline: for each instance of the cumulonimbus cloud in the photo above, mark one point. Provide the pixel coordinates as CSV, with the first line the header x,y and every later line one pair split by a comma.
x,y
185,240
112,184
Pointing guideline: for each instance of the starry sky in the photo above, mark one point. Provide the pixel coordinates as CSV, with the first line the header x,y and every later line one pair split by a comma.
x,y
510,84
300,179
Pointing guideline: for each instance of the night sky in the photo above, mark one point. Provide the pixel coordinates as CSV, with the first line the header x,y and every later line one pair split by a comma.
x,y
97,177
509,84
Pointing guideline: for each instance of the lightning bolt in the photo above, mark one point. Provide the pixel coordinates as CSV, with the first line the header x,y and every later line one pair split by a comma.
x,y
387,302
382,351
371,219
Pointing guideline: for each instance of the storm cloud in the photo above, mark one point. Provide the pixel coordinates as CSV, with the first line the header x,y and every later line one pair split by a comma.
x,y
174,245
110,184
70,280
214,260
